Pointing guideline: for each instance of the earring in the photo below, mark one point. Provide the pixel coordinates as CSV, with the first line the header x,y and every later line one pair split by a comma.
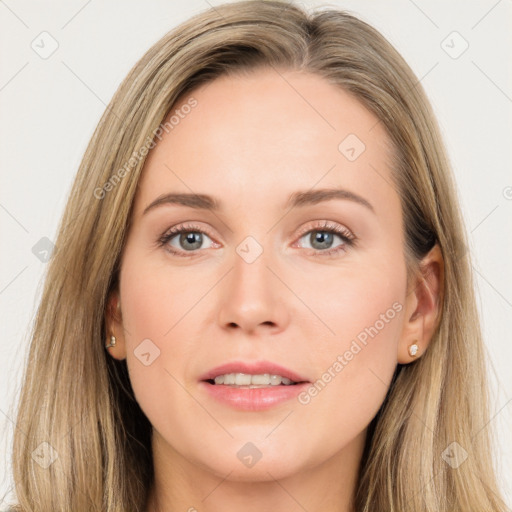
x,y
112,342
413,349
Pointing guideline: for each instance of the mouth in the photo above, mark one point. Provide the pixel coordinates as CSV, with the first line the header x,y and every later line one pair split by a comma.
x,y
252,386
251,375
253,391
252,381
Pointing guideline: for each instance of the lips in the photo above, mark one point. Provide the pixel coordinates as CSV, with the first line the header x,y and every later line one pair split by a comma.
x,y
253,368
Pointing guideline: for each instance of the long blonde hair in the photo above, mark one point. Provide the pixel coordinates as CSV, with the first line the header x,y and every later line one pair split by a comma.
x,y
79,400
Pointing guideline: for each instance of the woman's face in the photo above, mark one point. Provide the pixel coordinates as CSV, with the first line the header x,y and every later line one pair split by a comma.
x,y
262,278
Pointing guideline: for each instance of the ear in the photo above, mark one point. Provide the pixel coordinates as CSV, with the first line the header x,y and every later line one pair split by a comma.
x,y
114,324
423,306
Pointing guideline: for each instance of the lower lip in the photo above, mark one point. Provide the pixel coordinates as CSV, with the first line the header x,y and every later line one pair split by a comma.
x,y
253,399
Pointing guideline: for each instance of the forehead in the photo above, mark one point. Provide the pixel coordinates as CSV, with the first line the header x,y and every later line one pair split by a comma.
x,y
267,134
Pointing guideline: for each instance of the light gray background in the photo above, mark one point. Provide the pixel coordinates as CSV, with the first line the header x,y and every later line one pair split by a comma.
x,y
49,108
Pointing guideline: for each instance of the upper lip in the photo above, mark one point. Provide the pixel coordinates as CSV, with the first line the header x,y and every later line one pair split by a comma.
x,y
254,368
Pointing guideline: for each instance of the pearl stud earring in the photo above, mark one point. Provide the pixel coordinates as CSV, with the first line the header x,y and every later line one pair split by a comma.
x,y
112,342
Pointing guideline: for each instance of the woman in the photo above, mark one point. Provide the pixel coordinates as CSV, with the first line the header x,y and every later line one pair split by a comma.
x,y
318,346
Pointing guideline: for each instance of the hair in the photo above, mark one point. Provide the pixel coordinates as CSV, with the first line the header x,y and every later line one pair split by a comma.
x,y
79,400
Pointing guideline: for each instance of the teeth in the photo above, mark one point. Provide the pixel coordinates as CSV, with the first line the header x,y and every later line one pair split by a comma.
x,y
241,379
265,379
246,379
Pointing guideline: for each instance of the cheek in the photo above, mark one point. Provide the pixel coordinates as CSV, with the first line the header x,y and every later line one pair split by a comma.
x,y
356,306
356,364
154,297
367,314
158,308
357,356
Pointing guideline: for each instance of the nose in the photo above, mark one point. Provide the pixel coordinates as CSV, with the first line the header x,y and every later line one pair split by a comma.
x,y
253,298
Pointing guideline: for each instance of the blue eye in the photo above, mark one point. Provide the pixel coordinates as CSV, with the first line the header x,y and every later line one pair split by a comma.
x,y
321,238
324,239
189,239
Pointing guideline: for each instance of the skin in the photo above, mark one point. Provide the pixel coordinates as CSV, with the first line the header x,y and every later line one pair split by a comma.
x,y
250,142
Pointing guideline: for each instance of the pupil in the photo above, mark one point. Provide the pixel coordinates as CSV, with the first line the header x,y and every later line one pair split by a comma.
x,y
192,238
322,237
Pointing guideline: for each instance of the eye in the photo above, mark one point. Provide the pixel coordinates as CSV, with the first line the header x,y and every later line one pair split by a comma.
x,y
322,237
184,238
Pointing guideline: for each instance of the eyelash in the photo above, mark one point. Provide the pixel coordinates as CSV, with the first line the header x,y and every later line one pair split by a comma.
x,y
349,240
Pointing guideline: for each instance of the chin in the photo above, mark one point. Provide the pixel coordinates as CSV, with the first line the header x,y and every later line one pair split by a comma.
x,y
260,472
246,461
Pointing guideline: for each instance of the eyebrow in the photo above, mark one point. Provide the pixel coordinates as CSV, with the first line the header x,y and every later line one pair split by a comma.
x,y
299,199
296,200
